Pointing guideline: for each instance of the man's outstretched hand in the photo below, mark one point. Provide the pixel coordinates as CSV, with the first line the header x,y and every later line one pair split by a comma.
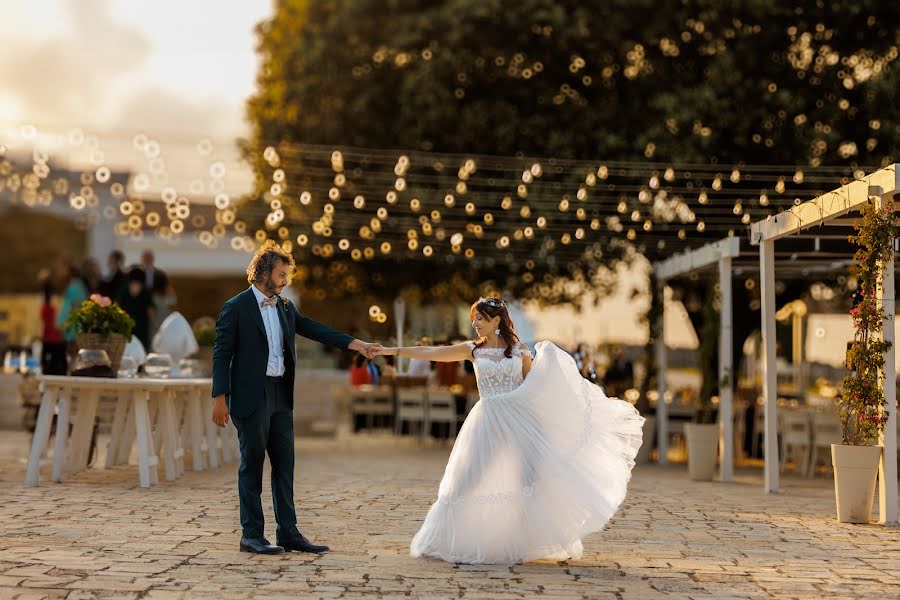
x,y
366,349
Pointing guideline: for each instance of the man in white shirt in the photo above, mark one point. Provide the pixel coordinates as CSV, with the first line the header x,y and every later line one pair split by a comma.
x,y
254,359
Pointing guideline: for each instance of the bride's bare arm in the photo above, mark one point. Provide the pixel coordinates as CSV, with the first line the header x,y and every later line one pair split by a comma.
x,y
437,353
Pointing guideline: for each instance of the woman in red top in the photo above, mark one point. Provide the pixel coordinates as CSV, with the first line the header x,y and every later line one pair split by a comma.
x,y
359,371
53,355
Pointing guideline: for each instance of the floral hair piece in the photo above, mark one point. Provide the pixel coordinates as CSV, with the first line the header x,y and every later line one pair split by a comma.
x,y
495,302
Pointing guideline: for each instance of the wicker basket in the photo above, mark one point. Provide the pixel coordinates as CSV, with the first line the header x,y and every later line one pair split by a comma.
x,y
113,344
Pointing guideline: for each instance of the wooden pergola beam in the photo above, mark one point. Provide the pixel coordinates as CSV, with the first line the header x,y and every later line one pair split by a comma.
x,y
883,183
687,262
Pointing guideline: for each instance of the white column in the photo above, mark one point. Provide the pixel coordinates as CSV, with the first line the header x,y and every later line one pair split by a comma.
x,y
662,413
726,377
399,320
797,344
770,438
887,472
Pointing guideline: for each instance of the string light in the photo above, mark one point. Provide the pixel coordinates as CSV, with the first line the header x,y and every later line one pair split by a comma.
x,y
498,190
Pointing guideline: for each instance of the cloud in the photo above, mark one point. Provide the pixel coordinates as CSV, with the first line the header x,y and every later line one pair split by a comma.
x,y
72,77
161,111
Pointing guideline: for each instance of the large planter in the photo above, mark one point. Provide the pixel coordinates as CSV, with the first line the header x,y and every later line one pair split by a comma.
x,y
855,472
643,455
702,447
113,344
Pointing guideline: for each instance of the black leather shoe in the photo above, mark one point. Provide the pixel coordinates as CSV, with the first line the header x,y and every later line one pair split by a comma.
x,y
301,544
259,546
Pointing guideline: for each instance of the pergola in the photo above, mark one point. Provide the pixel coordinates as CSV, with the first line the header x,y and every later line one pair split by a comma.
x,y
720,253
828,210
802,253
727,258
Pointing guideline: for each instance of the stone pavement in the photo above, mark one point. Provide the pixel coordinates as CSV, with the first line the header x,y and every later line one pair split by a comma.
x,y
100,536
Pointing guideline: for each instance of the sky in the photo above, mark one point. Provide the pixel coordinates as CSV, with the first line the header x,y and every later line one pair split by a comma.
x,y
178,71
179,68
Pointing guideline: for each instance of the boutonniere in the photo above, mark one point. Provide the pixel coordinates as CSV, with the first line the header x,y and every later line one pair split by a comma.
x,y
284,303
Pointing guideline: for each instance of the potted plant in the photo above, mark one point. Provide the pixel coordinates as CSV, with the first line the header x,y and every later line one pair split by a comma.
x,y
205,333
702,435
861,401
101,324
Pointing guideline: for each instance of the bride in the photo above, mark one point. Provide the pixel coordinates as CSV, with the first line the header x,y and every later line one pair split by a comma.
x,y
541,461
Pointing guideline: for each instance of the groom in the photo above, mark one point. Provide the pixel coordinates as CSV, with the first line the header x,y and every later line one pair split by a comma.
x,y
253,379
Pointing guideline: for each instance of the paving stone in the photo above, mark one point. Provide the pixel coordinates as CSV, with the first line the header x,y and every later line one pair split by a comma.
x,y
100,536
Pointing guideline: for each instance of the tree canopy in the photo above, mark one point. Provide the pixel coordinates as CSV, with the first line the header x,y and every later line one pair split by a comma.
x,y
759,82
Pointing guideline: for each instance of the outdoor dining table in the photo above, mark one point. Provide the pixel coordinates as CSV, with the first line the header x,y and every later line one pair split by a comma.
x,y
175,401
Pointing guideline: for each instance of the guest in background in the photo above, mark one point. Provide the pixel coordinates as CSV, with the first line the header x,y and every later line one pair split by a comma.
x,y
389,370
619,376
359,371
417,367
580,356
74,293
374,371
53,352
116,280
138,303
148,264
92,276
164,300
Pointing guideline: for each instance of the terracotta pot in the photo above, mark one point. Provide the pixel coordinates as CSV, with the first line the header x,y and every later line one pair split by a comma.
x,y
703,447
855,472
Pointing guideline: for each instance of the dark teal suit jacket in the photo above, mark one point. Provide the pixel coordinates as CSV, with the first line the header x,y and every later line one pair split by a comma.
x,y
241,350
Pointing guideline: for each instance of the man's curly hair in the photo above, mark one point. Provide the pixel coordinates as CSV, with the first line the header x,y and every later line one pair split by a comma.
x,y
265,260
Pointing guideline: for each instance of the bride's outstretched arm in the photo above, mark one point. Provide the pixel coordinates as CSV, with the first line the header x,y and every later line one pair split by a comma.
x,y
453,353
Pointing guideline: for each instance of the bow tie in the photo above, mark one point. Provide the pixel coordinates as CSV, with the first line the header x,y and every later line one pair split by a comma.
x,y
269,301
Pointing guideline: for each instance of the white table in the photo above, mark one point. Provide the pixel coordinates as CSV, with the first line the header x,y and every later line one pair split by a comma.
x,y
179,407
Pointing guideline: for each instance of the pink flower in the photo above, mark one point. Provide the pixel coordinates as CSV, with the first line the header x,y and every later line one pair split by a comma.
x,y
102,301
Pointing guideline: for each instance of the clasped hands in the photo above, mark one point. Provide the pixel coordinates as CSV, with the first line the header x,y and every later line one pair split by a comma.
x,y
371,350
367,349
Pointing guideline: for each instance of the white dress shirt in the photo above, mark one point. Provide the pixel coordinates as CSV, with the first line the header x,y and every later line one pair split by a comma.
x,y
275,363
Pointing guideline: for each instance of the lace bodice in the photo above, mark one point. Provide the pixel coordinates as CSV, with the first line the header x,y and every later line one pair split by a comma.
x,y
495,373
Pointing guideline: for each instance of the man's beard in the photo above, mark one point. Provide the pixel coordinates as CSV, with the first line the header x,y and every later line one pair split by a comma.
x,y
270,287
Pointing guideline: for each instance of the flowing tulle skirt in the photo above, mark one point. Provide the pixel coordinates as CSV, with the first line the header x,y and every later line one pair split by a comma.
x,y
534,470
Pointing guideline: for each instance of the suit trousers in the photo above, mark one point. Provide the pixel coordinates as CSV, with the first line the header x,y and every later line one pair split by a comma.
x,y
270,429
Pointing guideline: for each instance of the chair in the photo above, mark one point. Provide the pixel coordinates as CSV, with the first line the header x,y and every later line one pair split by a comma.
x,y
442,409
826,430
412,407
371,401
795,434
759,427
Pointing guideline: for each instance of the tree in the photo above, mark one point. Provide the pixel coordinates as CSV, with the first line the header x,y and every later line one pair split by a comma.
x,y
761,82
678,81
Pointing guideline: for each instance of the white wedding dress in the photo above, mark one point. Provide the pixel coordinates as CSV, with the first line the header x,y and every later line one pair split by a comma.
x,y
538,464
